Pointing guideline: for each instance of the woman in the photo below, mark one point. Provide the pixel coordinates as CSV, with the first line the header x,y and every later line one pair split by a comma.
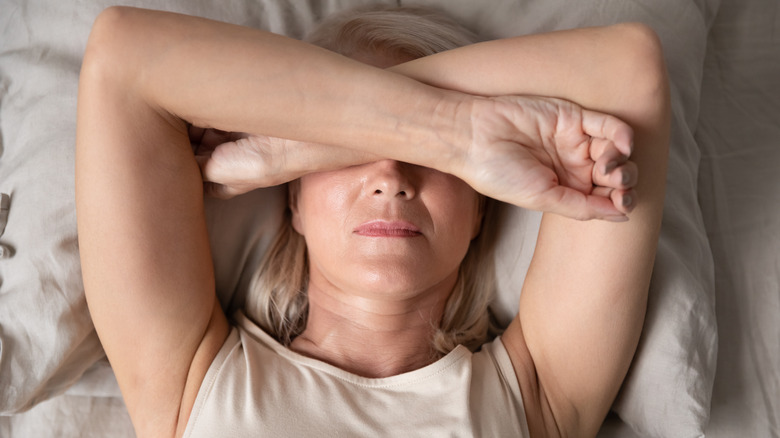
x,y
385,236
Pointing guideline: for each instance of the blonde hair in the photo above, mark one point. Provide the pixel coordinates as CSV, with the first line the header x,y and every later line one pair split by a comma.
x,y
277,299
406,31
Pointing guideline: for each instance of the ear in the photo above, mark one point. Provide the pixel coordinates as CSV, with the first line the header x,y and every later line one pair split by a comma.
x,y
293,190
479,216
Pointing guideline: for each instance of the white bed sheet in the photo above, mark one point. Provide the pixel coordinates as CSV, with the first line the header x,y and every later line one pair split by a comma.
x,y
739,192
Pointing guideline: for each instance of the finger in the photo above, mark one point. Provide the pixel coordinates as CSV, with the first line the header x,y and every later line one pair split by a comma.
x,y
603,192
602,125
214,137
600,147
624,200
219,191
577,205
624,176
606,155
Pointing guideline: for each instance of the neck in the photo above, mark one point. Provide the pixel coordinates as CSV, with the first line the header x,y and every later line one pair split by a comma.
x,y
372,336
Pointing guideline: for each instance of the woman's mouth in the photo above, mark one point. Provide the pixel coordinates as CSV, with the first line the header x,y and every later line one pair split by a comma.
x,y
382,228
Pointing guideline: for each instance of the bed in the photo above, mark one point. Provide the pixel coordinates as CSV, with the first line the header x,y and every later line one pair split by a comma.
x,y
708,363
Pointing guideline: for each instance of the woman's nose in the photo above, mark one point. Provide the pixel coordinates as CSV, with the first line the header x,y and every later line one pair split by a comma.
x,y
391,178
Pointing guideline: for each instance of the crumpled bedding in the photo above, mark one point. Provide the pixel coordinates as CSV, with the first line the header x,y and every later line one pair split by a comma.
x,y
739,192
720,237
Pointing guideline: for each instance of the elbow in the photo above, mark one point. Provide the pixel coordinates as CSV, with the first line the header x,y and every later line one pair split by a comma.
x,y
638,84
103,72
103,34
649,84
104,47
647,108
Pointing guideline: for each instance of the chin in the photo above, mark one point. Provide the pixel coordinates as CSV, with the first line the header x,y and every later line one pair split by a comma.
x,y
390,281
401,280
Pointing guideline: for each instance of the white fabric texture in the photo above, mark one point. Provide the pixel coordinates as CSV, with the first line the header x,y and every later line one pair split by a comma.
x,y
256,384
47,342
739,190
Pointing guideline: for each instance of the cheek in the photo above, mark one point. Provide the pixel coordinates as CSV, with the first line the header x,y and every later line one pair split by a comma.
x,y
320,202
457,206
455,209
323,206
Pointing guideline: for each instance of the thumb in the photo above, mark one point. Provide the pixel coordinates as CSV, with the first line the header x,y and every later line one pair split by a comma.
x,y
206,166
219,191
577,205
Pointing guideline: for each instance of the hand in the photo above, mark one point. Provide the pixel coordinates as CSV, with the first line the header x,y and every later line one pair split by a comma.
x,y
235,163
552,155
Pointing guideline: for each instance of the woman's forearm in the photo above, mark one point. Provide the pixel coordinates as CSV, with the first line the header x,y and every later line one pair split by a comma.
x,y
598,67
239,79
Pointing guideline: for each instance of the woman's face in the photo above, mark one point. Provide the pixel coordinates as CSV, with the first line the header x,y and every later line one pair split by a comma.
x,y
385,227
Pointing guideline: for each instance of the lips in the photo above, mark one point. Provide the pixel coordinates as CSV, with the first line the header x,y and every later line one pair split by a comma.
x,y
382,228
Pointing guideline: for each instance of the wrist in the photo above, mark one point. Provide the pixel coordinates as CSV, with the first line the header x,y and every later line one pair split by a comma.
x,y
449,134
294,159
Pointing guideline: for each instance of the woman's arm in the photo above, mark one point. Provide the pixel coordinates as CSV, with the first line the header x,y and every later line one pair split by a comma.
x,y
238,79
584,299
591,66
583,302
146,262
534,65
145,257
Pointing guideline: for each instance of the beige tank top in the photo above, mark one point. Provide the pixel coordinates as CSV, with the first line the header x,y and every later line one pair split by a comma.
x,y
257,387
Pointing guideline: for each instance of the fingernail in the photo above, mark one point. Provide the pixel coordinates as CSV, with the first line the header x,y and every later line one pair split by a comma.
x,y
609,167
627,200
626,178
616,218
